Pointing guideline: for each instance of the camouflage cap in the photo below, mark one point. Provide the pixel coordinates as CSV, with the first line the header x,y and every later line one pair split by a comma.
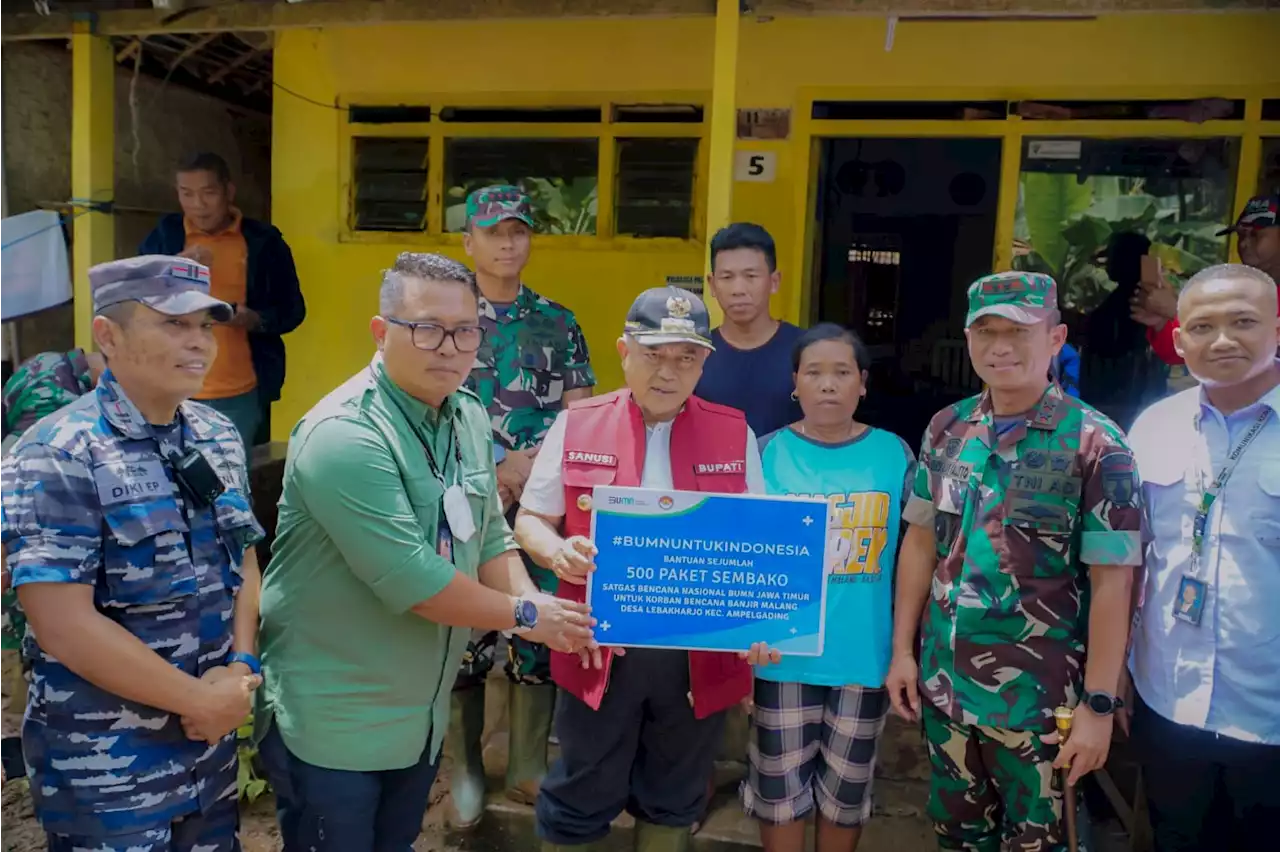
x,y
669,315
489,205
170,285
1261,211
1024,297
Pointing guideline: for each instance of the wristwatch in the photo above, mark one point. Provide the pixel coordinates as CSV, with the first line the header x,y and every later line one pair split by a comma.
x,y
254,664
1102,703
526,616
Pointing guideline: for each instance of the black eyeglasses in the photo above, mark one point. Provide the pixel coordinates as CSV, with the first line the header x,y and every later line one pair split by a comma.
x,y
429,337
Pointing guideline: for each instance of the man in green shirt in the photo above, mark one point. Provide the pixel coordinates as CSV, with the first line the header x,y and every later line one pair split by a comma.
x,y
390,547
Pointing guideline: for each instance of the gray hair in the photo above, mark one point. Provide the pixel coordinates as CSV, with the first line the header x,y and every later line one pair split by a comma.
x,y
1227,272
423,266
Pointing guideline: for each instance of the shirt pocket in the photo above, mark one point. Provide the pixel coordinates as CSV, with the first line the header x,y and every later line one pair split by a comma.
x,y
1171,502
145,557
1036,548
477,486
1265,517
579,480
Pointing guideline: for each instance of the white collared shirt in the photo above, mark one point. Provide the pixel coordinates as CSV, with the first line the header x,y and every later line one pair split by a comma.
x,y
1222,675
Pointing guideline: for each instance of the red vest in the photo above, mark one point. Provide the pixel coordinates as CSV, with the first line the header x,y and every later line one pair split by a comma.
x,y
604,444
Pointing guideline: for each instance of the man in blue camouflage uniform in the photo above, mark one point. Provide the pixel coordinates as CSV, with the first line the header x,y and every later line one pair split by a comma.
x,y
533,362
40,385
139,583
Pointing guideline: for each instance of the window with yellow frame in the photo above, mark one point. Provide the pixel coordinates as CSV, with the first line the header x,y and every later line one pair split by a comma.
x,y
642,161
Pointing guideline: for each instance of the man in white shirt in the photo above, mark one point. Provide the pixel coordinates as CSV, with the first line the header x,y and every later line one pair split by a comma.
x,y
637,732
1206,651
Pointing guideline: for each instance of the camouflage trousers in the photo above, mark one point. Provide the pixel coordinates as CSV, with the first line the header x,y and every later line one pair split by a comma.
x,y
991,786
527,662
13,624
216,830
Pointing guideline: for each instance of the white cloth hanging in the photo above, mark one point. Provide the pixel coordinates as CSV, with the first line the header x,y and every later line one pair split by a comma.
x,y
34,270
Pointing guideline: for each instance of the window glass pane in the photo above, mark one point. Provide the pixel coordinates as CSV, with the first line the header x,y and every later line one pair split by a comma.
x,y
1077,195
1088,210
390,184
558,174
1269,172
654,195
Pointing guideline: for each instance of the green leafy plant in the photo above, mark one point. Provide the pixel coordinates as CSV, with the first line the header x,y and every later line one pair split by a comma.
x,y
1064,227
249,784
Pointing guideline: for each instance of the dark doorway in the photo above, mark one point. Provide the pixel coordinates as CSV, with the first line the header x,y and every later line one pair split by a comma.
x,y
905,226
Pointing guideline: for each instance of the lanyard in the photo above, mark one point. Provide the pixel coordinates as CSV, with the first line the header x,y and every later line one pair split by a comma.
x,y
436,469
1210,494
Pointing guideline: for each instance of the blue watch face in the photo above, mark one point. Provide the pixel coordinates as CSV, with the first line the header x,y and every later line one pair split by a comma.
x,y
528,614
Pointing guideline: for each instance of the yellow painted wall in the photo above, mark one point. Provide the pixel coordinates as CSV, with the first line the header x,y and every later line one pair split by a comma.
x,y
783,63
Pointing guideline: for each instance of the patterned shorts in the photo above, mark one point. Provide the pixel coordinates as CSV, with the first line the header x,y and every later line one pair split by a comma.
x,y
813,745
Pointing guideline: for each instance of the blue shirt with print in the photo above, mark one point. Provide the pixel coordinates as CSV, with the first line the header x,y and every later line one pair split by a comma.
x,y
865,481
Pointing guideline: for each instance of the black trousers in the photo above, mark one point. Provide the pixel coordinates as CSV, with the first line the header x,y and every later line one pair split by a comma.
x,y
642,751
1207,793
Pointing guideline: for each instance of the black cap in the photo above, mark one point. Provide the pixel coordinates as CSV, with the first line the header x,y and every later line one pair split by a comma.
x,y
1261,211
669,315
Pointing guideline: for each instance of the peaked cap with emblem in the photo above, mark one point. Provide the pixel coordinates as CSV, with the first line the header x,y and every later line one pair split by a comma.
x,y
1026,298
171,285
669,315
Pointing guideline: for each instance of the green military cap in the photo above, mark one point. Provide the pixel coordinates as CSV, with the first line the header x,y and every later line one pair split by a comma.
x,y
1027,298
489,205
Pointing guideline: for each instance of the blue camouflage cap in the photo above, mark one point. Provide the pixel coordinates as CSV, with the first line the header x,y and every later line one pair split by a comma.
x,y
170,285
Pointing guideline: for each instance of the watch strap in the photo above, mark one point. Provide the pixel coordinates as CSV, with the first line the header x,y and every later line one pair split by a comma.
x,y
254,664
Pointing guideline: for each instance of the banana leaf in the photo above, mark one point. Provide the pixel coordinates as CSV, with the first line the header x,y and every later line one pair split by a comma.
x,y
1051,200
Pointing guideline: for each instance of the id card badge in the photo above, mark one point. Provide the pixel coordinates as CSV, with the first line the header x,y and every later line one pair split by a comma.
x,y
1188,606
444,540
458,511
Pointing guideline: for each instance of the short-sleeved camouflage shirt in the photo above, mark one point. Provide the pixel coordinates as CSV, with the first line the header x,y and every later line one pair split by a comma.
x,y
533,352
41,385
90,499
1018,518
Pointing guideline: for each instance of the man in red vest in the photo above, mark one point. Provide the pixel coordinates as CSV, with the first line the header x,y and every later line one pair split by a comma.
x,y
637,732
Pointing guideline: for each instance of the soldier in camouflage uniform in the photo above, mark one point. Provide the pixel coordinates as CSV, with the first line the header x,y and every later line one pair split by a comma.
x,y
1024,533
533,362
40,386
140,586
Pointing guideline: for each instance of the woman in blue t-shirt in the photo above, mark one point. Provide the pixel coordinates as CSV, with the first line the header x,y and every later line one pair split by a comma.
x,y
818,720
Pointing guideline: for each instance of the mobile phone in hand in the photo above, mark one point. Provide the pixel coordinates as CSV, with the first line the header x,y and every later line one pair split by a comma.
x,y
11,755
1152,272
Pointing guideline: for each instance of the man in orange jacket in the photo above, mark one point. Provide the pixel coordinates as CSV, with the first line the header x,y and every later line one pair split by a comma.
x,y
1257,229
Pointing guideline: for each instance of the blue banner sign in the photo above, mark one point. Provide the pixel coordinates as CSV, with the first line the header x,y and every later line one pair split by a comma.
x,y
708,572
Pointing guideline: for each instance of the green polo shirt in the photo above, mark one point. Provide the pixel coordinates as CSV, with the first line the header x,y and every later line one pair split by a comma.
x,y
353,679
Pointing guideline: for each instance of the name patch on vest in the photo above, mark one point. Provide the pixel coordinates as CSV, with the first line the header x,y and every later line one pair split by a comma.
x,y
129,481
720,467
600,459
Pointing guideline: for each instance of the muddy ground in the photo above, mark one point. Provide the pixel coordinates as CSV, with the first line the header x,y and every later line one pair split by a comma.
x,y
900,824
